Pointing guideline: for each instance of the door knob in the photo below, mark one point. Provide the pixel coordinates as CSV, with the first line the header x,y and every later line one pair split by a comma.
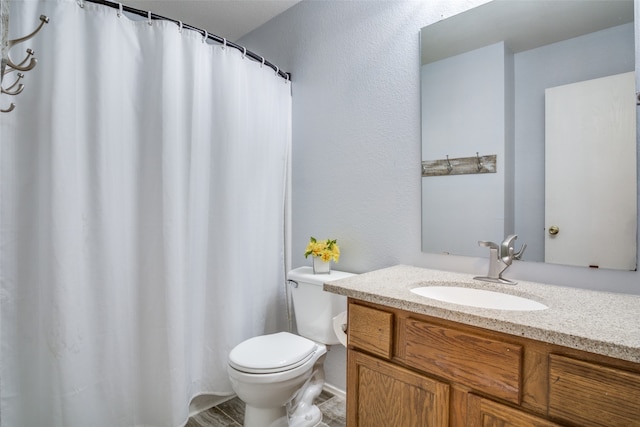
x,y
554,229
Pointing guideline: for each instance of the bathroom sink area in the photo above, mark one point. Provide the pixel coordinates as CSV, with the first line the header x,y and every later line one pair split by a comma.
x,y
569,317
479,298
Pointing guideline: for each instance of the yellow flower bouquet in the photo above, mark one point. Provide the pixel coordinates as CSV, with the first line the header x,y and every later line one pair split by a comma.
x,y
324,251
328,250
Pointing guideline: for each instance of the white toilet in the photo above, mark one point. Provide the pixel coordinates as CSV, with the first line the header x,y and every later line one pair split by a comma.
x,y
278,376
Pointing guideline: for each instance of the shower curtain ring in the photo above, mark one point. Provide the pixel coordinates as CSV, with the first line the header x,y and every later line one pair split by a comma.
x,y
262,65
277,70
149,18
206,36
119,10
81,4
224,43
180,26
244,52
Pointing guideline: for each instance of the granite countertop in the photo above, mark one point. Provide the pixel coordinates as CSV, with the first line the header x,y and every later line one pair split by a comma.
x,y
599,322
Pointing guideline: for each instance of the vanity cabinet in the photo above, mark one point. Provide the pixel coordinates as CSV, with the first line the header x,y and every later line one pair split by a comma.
x,y
407,369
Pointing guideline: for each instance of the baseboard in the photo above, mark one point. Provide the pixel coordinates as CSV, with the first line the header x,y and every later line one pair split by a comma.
x,y
334,390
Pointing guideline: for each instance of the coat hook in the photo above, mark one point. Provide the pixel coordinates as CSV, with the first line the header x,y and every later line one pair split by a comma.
x,y
449,167
8,90
43,20
8,110
480,165
23,66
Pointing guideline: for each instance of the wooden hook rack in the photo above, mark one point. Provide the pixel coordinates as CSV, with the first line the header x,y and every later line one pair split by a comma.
x,y
459,166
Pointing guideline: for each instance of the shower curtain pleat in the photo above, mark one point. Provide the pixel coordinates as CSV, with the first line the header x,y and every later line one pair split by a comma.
x,y
142,188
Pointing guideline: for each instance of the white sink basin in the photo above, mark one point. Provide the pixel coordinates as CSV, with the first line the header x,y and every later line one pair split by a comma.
x,y
478,298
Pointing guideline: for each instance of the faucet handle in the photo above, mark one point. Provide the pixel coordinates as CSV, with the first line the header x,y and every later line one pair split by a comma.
x,y
518,255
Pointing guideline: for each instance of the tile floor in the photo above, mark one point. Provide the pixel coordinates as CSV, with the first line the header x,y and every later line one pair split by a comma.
x,y
231,413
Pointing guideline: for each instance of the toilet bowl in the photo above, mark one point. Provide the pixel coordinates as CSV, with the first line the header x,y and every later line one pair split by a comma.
x,y
267,371
278,376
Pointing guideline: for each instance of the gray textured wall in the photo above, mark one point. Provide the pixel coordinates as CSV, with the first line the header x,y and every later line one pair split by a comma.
x,y
356,139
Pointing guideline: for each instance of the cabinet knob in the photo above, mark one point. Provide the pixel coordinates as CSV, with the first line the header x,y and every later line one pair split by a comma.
x,y
554,229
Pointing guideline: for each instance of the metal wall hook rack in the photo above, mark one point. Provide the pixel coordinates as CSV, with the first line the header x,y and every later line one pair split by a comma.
x,y
460,165
26,64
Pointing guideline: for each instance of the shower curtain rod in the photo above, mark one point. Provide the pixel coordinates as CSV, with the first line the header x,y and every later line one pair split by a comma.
x,y
221,40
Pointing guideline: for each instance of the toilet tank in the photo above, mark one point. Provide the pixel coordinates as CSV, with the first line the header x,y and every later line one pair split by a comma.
x,y
314,308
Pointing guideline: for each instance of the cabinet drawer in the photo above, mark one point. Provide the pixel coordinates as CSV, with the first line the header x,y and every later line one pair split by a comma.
x,y
482,363
370,330
592,395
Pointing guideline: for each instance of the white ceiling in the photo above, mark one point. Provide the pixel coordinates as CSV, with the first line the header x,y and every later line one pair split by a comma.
x,y
225,18
522,24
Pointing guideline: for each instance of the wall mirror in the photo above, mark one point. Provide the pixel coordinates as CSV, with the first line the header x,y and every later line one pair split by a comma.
x,y
529,128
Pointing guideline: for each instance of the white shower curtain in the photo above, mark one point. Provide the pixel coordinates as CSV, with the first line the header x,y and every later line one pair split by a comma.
x,y
142,188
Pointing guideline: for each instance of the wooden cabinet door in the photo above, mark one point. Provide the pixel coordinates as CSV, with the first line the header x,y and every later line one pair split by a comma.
x,y
487,413
383,395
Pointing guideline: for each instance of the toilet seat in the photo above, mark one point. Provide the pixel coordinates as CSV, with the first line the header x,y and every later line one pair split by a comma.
x,y
267,354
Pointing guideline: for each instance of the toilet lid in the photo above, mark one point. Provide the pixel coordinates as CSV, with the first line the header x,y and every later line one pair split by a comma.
x,y
271,353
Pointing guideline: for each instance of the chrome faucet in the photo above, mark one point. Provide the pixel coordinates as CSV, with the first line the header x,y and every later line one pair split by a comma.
x,y
500,258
